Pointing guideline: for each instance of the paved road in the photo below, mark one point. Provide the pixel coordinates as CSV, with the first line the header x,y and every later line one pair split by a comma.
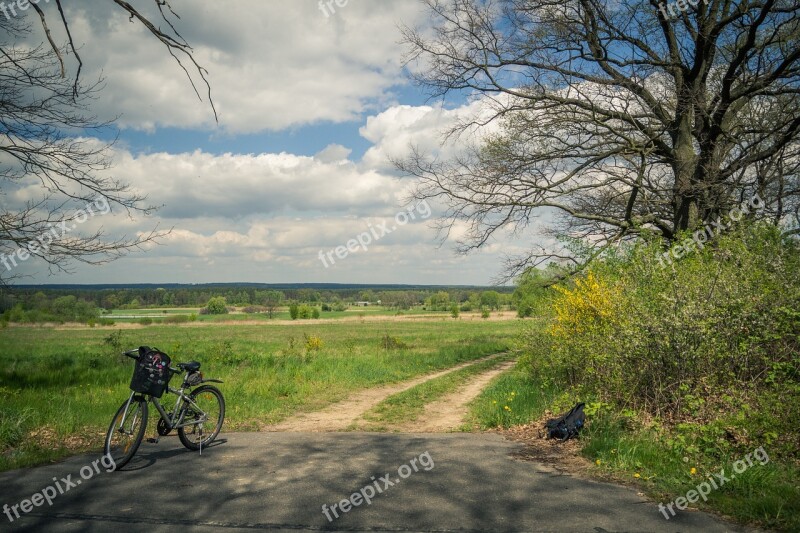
x,y
279,482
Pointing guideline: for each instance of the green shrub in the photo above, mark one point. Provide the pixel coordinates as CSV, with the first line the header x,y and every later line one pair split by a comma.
x,y
217,306
145,321
294,311
713,337
313,343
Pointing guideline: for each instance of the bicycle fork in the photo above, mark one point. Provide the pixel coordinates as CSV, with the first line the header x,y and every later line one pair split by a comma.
x,y
121,428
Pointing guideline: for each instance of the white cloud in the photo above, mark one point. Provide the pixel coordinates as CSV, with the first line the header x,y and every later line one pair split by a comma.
x,y
272,65
200,185
264,217
394,131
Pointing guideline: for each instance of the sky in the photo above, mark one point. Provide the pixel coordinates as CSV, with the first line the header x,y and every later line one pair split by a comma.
x,y
313,104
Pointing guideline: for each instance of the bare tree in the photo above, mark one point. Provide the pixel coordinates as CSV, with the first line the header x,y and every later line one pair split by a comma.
x,y
620,117
45,125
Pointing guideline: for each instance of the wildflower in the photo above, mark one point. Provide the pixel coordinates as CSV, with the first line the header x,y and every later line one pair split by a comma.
x,y
597,462
637,475
507,408
693,471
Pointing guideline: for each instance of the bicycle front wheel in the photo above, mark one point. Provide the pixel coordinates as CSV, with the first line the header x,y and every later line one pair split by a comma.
x,y
126,432
208,418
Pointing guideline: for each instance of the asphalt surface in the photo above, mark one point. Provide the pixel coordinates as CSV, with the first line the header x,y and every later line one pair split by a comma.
x,y
280,481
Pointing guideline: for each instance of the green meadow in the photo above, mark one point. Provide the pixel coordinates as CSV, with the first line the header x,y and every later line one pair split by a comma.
x,y
61,386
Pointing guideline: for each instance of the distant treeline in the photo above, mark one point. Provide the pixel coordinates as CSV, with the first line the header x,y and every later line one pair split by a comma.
x,y
82,302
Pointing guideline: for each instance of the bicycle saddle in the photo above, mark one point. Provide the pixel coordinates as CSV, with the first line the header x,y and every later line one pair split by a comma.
x,y
192,366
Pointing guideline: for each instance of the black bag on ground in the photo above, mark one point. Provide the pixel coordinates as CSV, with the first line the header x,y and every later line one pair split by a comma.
x,y
151,374
567,425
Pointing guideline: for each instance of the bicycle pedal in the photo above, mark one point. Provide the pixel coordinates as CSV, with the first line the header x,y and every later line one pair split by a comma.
x,y
152,441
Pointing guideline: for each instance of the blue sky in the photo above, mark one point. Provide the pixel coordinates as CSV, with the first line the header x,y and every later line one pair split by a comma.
x,y
311,108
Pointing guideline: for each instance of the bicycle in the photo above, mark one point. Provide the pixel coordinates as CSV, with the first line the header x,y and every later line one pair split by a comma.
x,y
197,416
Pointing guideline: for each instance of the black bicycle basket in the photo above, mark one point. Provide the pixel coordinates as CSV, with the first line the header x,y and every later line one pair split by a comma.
x,y
151,374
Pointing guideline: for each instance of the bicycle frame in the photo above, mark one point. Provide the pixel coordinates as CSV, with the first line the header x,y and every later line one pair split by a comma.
x,y
176,421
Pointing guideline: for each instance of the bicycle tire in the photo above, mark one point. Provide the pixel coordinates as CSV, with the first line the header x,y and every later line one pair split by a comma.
x,y
189,435
136,420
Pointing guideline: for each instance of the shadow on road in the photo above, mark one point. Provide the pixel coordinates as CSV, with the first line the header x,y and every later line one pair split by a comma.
x,y
280,481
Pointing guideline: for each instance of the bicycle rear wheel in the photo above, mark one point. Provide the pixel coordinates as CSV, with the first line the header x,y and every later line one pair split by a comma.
x,y
122,440
209,399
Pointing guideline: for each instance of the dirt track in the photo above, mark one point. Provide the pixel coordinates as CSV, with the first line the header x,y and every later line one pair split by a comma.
x,y
443,415
447,413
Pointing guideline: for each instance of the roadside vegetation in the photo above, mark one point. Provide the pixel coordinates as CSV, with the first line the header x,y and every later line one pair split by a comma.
x,y
685,368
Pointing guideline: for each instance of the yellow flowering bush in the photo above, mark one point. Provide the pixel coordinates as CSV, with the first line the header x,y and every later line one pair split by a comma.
x,y
589,305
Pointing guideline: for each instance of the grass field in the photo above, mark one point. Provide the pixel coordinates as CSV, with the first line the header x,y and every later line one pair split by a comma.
x,y
61,386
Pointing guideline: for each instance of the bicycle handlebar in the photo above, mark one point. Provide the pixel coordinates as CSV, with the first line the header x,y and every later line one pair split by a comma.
x,y
134,354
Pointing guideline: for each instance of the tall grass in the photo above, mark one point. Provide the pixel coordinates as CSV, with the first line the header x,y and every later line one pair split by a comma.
x,y
511,399
60,387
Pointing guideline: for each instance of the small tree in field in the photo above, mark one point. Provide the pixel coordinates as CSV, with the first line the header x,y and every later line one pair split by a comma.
x,y
217,306
271,300
454,311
